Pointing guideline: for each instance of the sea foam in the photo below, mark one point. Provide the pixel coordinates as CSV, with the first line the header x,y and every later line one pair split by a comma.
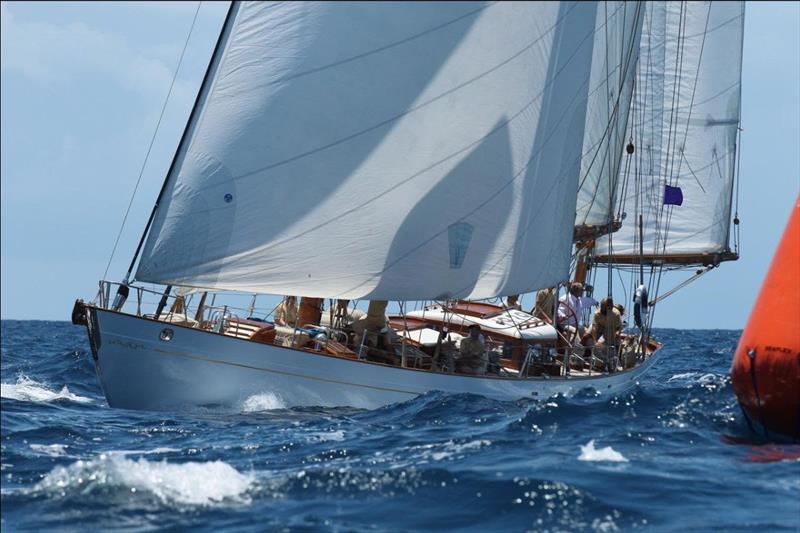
x,y
193,483
53,450
694,377
326,436
28,390
265,401
590,453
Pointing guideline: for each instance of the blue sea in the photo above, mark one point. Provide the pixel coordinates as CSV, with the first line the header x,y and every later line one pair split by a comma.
x,y
672,455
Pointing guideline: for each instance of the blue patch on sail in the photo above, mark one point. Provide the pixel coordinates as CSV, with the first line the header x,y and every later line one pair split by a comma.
x,y
673,195
458,237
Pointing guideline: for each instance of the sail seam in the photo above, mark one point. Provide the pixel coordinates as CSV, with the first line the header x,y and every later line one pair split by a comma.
x,y
677,173
408,111
499,127
486,202
379,49
414,176
615,114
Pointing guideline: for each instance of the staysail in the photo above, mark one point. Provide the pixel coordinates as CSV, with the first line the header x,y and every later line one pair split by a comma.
x,y
400,151
684,123
616,50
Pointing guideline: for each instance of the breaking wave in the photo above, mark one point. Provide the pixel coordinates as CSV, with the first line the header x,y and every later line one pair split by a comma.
x,y
53,450
28,390
193,483
265,401
590,453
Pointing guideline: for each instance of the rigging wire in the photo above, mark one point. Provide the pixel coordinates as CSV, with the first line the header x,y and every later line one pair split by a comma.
x,y
611,179
613,174
669,216
683,284
152,139
738,169
625,67
737,179
662,225
676,175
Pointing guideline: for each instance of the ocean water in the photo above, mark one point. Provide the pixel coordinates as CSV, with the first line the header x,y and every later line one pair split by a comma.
x,y
674,454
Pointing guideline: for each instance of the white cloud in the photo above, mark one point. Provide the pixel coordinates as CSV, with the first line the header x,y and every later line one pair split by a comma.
x,y
58,53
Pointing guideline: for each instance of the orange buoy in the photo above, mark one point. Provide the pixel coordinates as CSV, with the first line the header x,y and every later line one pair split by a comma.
x,y
766,366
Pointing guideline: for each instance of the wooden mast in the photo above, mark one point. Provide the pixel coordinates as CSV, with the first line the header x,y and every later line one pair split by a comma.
x,y
584,254
309,311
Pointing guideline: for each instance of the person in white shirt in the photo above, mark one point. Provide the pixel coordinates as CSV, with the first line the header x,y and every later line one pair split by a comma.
x,y
571,308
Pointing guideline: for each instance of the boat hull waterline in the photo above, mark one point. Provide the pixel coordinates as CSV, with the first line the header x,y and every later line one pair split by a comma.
x,y
201,369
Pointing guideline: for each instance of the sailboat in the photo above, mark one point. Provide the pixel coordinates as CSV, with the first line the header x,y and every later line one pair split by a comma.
x,y
429,154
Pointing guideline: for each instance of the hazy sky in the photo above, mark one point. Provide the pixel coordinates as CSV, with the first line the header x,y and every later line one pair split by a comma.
x,y
83,84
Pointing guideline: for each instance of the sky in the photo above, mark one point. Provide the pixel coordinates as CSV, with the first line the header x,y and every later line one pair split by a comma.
x,y
82,85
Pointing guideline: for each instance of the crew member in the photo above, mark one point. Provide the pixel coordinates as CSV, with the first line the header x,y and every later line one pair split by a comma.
x,y
571,307
545,303
607,322
286,312
473,359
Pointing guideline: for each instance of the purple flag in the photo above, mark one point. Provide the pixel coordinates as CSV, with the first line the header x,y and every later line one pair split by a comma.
x,y
673,195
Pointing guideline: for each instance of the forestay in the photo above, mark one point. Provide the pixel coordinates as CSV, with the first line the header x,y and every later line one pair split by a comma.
x,y
616,50
377,150
684,122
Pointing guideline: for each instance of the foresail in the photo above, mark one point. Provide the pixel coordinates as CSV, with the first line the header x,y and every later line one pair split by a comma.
x,y
401,151
616,50
684,123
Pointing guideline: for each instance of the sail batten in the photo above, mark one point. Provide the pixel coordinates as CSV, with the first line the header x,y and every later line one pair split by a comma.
x,y
684,123
397,151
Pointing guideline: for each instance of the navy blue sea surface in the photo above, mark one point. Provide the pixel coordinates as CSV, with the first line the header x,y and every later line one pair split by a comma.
x,y
668,456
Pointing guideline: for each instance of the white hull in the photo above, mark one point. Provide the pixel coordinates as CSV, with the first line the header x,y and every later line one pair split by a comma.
x,y
197,368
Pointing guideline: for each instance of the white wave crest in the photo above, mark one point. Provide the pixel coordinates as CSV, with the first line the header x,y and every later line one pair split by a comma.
x,y
337,436
451,449
28,390
694,377
590,453
191,483
53,450
154,451
266,401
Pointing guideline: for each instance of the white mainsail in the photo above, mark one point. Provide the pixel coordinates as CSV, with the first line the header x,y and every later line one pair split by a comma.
x,y
616,50
400,151
684,123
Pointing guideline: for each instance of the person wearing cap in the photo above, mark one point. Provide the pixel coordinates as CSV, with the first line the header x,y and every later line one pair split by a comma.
x,y
473,358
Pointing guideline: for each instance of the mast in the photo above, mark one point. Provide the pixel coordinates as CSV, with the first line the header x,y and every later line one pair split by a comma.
x,y
616,50
212,62
584,252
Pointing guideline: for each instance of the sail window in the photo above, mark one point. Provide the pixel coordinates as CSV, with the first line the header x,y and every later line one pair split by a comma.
x,y
458,237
